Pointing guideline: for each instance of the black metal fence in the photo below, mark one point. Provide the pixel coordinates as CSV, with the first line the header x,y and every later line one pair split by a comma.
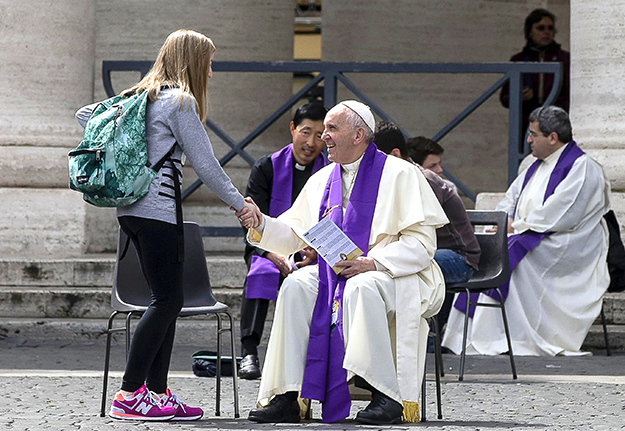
x,y
333,73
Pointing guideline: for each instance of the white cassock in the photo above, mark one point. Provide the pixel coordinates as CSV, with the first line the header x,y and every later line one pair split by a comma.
x,y
556,290
383,311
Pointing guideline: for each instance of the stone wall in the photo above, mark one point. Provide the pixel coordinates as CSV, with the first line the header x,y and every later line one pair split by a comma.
x,y
51,55
438,31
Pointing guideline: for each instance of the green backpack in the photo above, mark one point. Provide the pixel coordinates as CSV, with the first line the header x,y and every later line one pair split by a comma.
x,y
110,165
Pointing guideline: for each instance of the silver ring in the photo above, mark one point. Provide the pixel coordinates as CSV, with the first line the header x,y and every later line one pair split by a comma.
x,y
241,219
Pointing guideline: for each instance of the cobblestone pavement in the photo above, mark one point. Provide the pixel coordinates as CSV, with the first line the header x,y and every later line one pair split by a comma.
x,y
52,387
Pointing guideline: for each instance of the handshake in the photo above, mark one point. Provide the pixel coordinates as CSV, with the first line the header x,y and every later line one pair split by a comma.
x,y
250,216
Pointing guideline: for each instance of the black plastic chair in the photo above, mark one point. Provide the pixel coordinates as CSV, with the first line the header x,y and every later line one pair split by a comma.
x,y
131,296
494,270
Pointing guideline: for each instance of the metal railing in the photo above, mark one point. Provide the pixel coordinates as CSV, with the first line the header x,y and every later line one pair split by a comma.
x,y
333,73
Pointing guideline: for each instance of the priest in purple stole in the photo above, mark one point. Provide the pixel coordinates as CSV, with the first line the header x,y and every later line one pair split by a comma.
x,y
275,181
557,250
365,325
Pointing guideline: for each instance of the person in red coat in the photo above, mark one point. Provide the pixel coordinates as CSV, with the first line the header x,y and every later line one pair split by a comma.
x,y
540,31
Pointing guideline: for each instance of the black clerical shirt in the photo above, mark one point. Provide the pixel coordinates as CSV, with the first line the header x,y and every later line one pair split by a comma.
x,y
259,188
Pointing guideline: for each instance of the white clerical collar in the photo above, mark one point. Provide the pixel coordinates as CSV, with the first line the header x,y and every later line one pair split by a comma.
x,y
299,167
552,158
352,167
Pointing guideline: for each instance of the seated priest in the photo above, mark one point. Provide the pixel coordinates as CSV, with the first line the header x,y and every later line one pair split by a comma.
x,y
367,324
557,246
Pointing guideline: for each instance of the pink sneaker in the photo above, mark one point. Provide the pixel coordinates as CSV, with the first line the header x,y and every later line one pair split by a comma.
x,y
141,406
183,411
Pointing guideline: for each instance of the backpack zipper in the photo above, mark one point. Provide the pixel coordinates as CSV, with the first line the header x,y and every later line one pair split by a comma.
x,y
119,112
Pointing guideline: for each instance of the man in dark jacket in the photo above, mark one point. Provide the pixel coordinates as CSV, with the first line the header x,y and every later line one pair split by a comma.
x,y
540,32
458,251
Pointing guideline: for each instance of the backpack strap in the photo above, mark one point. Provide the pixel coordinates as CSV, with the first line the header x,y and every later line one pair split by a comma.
x,y
178,197
179,220
158,165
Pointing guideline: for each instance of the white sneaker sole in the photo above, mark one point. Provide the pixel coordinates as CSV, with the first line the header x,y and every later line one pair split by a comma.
x,y
186,418
130,417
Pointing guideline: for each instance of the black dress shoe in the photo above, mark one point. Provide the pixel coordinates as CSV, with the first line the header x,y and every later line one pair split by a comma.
x,y
382,410
280,410
250,368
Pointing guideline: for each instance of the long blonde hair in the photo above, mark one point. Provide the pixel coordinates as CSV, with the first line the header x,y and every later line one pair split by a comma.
x,y
183,61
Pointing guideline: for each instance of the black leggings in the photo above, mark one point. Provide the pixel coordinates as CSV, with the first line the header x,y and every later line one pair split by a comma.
x,y
150,350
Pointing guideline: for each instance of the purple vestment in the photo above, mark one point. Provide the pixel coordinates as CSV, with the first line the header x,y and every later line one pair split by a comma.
x,y
263,278
325,379
521,244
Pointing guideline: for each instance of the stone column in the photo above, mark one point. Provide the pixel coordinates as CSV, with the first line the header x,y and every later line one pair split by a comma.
x,y
597,90
51,57
245,30
438,31
46,60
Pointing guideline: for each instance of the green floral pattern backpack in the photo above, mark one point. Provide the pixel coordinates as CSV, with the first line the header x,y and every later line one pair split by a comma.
x,y
110,165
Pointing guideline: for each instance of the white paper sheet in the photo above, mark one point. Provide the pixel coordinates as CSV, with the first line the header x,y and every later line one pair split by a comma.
x,y
331,243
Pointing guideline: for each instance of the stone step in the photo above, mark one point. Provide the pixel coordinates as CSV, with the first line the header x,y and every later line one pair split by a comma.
x,y
61,290
217,216
595,340
614,308
79,302
33,331
94,302
227,271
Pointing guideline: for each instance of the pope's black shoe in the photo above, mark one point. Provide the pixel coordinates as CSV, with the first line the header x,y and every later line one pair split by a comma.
x,y
282,409
250,368
382,410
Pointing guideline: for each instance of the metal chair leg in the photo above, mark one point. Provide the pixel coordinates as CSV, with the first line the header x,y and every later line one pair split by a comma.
x,y
423,391
437,368
505,325
438,353
605,333
128,317
235,375
107,356
464,337
218,382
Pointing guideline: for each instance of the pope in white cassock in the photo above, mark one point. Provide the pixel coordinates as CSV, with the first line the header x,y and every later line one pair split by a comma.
x,y
555,209
367,324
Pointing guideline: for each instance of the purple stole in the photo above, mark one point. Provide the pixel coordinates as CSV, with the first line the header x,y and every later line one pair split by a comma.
x,y
263,278
325,379
521,244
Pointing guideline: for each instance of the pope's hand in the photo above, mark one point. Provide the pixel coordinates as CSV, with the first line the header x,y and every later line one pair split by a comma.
x,y
357,266
309,256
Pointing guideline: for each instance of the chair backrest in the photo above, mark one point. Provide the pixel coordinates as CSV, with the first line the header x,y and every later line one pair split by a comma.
x,y
494,267
197,285
130,289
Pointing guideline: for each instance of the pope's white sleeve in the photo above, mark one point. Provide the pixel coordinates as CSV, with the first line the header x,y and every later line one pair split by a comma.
x,y
411,253
277,237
